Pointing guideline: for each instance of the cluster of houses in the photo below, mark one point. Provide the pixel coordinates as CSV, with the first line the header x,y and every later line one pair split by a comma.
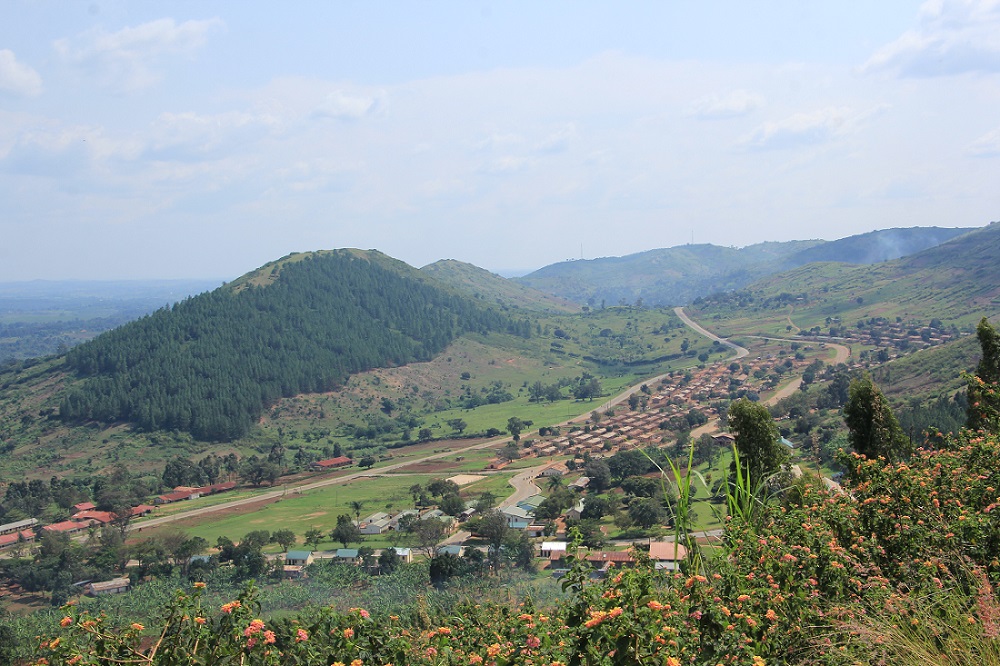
x,y
879,331
182,493
86,516
674,397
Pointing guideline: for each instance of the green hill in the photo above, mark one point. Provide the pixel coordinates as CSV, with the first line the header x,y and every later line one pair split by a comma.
x,y
955,282
491,288
678,275
211,364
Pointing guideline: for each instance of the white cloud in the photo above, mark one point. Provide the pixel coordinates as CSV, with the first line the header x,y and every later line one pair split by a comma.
x,y
128,60
953,37
988,145
506,165
50,152
558,141
18,78
800,129
731,105
346,106
191,136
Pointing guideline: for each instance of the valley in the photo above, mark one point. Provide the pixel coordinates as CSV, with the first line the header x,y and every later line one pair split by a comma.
x,y
612,422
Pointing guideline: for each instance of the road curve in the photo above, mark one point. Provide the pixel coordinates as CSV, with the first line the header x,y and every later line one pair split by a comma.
x,y
692,324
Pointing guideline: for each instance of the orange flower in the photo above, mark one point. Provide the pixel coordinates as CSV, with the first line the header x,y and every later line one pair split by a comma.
x,y
137,626
66,621
673,661
771,615
348,633
199,585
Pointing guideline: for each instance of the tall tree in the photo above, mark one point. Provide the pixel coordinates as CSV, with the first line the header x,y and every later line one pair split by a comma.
x,y
873,429
757,439
984,399
346,532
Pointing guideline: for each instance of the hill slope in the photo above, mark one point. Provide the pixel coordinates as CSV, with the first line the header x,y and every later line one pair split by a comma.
x,y
489,287
678,275
955,282
211,364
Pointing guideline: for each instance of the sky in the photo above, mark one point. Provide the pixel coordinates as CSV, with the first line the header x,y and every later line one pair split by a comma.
x,y
170,139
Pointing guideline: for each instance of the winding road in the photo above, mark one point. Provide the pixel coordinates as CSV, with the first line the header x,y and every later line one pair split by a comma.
x,y
523,482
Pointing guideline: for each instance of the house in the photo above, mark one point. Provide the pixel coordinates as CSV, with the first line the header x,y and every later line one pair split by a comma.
x,y
348,555
66,527
531,503
301,558
580,484
11,540
394,521
332,463
405,555
667,554
576,511
85,506
19,526
603,560
142,510
517,518
113,586
376,526
179,495
555,469
724,439
451,549
103,517
549,548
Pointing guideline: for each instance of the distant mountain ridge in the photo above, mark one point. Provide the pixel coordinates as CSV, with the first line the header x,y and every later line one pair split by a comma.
x,y
678,275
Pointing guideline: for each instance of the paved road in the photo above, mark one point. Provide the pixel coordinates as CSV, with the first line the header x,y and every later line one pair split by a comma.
x,y
524,486
740,351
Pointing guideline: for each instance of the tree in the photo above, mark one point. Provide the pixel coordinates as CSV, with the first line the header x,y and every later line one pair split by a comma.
x,y
493,528
515,426
367,462
285,538
429,532
346,532
599,473
757,440
458,425
873,429
356,507
486,501
388,561
452,505
313,537
645,512
984,401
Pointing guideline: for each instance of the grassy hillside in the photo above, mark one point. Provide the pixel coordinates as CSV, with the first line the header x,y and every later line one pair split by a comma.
x,y
955,282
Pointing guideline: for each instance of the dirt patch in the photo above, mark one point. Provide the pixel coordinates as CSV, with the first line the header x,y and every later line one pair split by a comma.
x,y
465,479
428,467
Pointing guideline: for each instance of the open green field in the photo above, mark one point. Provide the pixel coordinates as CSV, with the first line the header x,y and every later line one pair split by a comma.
x,y
318,509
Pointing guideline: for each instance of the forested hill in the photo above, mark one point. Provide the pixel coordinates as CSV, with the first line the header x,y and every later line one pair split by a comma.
x,y
209,365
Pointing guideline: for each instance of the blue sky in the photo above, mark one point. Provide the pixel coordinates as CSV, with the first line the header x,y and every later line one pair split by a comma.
x,y
202,139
